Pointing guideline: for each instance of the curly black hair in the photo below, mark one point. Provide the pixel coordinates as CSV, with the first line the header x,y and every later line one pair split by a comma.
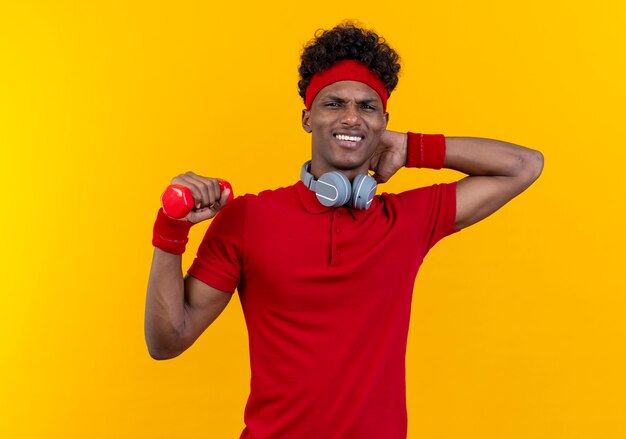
x,y
348,41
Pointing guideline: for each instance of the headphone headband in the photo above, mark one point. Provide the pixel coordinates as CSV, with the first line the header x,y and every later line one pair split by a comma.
x,y
333,189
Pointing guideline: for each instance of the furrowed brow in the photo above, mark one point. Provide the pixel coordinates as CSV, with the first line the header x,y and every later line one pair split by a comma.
x,y
335,98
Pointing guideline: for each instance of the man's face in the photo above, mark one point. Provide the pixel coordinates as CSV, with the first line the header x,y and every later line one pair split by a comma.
x,y
346,121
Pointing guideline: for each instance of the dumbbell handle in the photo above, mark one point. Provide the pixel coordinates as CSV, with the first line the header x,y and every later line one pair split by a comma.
x,y
177,200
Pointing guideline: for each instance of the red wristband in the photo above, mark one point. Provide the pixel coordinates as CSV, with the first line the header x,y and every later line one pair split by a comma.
x,y
425,150
169,234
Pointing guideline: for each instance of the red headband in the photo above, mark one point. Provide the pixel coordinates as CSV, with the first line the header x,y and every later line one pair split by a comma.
x,y
347,70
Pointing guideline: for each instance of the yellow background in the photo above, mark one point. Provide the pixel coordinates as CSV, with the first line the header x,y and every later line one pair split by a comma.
x,y
518,322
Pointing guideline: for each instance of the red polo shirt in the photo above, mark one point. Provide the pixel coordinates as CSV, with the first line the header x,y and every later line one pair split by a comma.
x,y
326,294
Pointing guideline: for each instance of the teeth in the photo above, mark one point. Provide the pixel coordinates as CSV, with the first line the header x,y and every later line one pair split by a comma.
x,y
350,138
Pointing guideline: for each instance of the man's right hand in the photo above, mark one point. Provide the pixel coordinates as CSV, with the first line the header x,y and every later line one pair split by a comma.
x,y
206,195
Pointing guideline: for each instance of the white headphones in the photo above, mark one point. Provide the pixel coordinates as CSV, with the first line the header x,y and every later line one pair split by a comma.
x,y
333,189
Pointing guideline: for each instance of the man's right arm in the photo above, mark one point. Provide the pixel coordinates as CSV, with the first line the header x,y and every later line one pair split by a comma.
x,y
179,309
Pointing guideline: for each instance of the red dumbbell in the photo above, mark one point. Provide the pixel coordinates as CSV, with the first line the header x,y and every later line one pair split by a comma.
x,y
177,200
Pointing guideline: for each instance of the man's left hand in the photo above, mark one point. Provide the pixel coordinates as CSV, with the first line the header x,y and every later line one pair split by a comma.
x,y
390,155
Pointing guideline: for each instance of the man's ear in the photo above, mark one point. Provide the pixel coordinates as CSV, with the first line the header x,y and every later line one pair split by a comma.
x,y
386,119
306,121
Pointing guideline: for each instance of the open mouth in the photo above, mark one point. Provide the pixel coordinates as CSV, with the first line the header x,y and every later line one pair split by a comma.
x,y
348,138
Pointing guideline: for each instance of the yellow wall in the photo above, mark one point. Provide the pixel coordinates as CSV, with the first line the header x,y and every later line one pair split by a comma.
x,y
518,323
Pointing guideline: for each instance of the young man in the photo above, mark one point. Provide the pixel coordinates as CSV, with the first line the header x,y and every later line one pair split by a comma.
x,y
325,270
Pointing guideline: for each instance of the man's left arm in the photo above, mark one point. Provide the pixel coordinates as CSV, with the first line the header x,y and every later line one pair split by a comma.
x,y
497,171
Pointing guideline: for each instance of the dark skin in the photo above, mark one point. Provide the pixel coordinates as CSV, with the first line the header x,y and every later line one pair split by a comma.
x,y
344,108
497,171
179,309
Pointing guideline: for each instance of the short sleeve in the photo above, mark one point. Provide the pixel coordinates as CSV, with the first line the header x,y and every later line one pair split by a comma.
x,y
434,209
444,211
218,261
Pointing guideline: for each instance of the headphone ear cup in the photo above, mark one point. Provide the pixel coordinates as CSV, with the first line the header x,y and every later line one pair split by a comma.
x,y
363,191
333,189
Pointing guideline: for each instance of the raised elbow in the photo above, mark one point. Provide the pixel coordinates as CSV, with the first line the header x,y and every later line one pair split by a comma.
x,y
535,164
530,166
